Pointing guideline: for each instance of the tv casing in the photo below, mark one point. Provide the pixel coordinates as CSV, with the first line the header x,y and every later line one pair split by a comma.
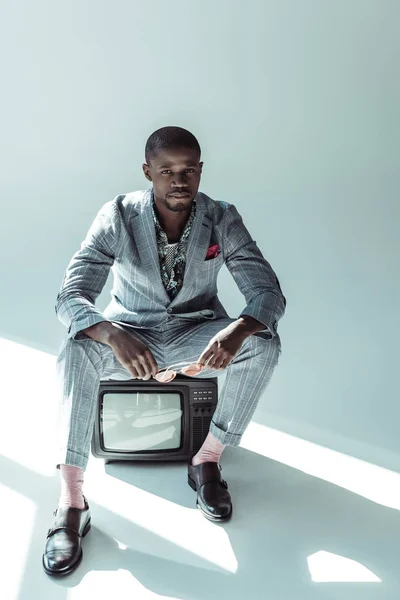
x,y
199,399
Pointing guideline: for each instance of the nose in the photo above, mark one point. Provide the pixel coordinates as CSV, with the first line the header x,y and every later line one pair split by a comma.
x,y
180,181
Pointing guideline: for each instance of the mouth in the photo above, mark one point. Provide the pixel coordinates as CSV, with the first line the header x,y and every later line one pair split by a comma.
x,y
186,195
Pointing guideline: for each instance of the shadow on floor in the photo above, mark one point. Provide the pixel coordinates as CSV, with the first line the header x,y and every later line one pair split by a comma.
x,y
281,517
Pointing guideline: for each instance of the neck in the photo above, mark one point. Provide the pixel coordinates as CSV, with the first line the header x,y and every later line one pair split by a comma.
x,y
172,222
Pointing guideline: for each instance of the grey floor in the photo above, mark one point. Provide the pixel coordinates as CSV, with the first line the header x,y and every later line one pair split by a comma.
x,y
292,536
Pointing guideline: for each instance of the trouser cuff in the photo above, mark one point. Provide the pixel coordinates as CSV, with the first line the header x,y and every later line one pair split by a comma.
x,y
226,438
73,458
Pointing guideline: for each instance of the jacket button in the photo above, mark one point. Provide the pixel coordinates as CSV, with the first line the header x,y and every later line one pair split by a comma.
x,y
169,310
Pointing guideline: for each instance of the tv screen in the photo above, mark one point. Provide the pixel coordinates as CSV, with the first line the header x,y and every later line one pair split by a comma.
x,y
142,421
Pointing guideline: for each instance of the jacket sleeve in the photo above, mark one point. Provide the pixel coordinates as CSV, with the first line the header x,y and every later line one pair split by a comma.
x,y
252,273
87,273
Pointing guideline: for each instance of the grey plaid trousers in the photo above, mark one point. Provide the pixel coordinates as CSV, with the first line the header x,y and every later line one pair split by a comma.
x,y
82,363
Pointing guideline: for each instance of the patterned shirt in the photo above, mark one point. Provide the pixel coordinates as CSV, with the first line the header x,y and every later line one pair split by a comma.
x,y
172,256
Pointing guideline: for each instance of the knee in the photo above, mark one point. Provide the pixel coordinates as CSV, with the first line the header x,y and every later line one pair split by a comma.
x,y
77,349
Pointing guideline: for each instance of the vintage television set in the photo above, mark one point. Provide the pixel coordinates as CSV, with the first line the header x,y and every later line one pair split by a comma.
x,y
149,420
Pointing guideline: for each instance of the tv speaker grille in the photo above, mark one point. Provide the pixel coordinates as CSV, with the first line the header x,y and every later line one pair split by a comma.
x,y
201,426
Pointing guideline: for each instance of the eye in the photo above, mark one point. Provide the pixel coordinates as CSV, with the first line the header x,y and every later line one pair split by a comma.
x,y
190,170
165,172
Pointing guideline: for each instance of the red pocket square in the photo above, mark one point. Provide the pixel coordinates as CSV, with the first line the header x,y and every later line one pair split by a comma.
x,y
212,252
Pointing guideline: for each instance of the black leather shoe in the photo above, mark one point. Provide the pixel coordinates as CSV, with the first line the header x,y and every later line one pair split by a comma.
x,y
213,498
63,552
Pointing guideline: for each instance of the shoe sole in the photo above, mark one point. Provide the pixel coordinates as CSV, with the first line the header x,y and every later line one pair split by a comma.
x,y
76,563
208,516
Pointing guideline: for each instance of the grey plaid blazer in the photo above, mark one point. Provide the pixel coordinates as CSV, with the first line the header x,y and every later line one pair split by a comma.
x,y
122,237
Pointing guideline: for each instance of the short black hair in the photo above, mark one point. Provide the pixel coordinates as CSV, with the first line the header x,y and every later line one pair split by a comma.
x,y
170,137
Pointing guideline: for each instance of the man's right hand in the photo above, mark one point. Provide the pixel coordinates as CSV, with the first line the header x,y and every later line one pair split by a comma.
x,y
131,352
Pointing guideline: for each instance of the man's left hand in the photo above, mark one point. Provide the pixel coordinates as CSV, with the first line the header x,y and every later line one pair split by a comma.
x,y
223,347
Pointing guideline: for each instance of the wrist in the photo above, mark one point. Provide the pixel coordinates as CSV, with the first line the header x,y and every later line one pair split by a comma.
x,y
248,325
103,332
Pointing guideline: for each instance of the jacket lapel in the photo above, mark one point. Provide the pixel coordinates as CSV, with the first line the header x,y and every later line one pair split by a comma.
x,y
144,235
198,243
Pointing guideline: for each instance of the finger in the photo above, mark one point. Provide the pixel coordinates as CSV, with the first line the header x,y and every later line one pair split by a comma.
x,y
153,363
211,363
228,360
204,358
130,368
139,368
226,363
132,371
146,367
219,362
208,362
206,355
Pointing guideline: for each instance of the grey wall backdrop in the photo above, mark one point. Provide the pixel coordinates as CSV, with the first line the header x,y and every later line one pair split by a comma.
x,y
295,104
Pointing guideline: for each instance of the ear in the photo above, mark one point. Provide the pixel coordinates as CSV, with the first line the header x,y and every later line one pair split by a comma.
x,y
201,167
146,171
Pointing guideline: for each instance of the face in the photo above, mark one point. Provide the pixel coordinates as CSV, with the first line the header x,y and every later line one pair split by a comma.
x,y
175,174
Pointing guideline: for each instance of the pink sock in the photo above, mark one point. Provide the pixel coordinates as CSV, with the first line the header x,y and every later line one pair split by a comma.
x,y
210,451
71,487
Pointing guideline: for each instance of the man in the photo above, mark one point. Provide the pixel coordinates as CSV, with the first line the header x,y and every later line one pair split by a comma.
x,y
166,246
